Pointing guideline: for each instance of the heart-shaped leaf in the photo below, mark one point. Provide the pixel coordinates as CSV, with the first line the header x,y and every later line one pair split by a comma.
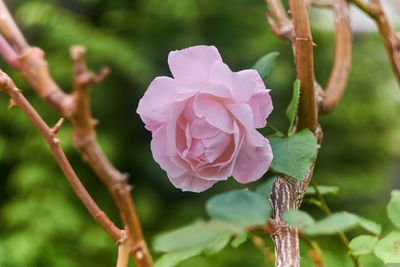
x,y
240,207
387,249
295,154
363,244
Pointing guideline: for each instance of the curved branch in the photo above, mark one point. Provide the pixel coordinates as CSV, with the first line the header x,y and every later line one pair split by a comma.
x,y
76,108
390,39
7,86
342,58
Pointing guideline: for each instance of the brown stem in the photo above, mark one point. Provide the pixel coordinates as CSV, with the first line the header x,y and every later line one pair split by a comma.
x,y
11,31
342,57
84,136
8,87
123,255
308,112
390,39
284,27
8,53
328,99
76,108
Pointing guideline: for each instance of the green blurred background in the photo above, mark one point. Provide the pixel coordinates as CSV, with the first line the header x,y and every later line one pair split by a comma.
x,y
43,224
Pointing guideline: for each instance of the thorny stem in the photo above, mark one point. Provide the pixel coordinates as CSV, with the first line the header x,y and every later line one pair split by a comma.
x,y
76,108
324,207
283,27
308,112
7,86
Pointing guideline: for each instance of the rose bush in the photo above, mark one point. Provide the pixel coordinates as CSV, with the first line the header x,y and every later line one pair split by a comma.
x,y
203,120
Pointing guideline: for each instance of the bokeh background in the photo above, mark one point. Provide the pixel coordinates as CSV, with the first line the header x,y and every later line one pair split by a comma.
x,y
43,224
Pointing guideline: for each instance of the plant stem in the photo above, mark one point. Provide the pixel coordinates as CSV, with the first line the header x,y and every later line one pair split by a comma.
x,y
324,207
76,108
390,38
8,86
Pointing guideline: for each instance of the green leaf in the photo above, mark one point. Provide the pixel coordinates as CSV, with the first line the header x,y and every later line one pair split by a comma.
x,y
393,209
241,207
239,239
332,224
264,188
197,235
323,189
217,245
173,258
387,249
291,110
363,244
369,225
265,65
295,154
204,238
298,218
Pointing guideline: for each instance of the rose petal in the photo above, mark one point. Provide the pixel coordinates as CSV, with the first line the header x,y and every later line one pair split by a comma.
x,y
241,87
242,113
260,102
261,105
191,66
175,112
216,145
162,92
254,76
219,90
200,128
188,182
158,148
252,162
214,113
223,166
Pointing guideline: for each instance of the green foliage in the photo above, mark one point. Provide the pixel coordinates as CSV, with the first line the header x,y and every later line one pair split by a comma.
x,y
295,154
332,224
387,249
66,28
323,190
266,64
173,258
126,35
291,111
197,235
240,207
335,223
264,188
369,225
231,212
363,244
239,239
393,209
299,219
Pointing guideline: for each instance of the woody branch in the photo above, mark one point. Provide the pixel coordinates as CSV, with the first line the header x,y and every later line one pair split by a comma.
x,y
76,108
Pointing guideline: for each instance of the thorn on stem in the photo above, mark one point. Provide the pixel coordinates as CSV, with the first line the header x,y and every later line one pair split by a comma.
x,y
56,141
58,125
12,104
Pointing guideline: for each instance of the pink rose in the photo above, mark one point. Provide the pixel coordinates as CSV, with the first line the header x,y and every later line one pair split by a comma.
x,y
203,120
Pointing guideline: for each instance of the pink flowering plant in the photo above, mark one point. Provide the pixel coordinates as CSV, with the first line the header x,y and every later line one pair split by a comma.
x,y
204,125
204,120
